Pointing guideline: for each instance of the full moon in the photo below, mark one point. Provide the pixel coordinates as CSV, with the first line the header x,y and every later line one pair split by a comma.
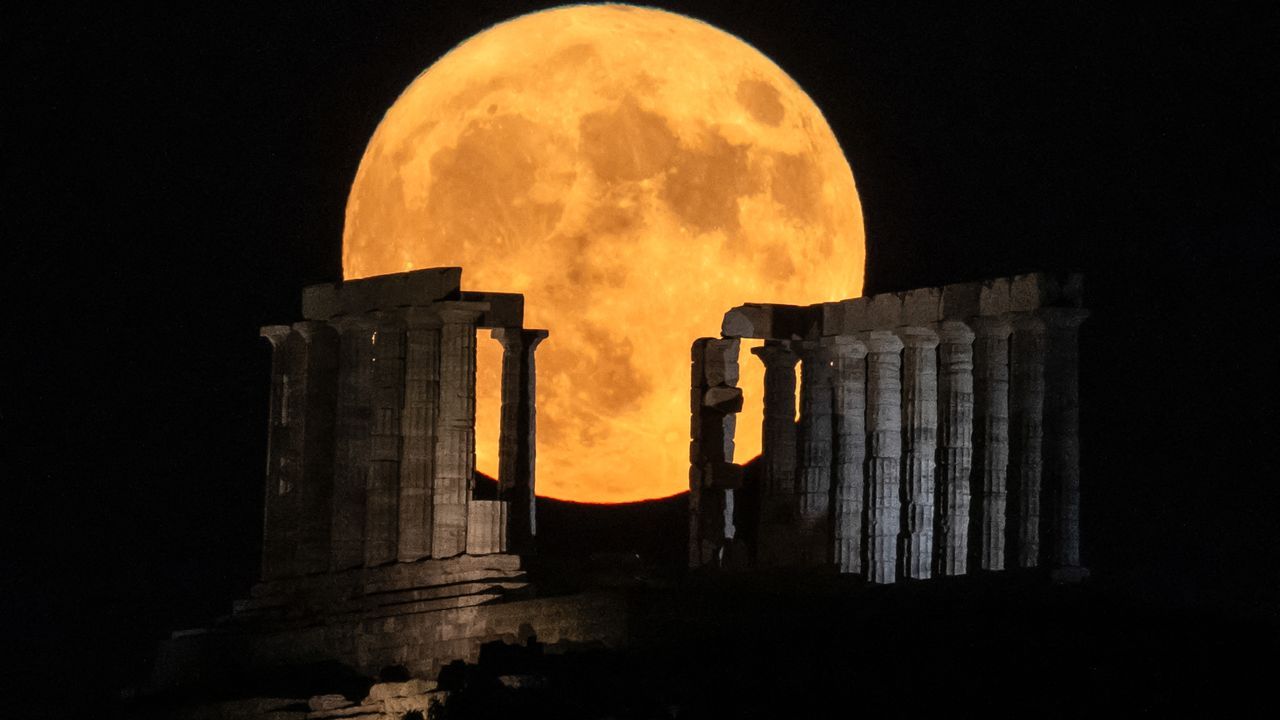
x,y
634,173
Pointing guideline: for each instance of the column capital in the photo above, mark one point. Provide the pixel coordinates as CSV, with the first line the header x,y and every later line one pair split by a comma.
x,y
881,341
519,338
991,326
776,354
845,347
954,332
917,336
461,312
276,334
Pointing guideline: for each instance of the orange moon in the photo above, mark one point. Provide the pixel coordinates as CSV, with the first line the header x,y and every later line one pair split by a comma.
x,y
634,173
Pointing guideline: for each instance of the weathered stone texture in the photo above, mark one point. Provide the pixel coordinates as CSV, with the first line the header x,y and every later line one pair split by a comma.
x,y
920,440
884,454
813,487
955,447
849,406
1026,434
486,527
417,427
989,488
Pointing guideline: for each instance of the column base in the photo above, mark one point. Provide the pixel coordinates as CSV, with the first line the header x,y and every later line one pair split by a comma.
x,y
1068,575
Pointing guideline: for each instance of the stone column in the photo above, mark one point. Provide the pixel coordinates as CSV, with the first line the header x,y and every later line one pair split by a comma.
x,y
955,451
455,429
382,489
988,487
778,508
919,445
517,443
714,401
318,382
1062,439
849,407
884,453
277,553
418,434
813,488
1026,407
351,440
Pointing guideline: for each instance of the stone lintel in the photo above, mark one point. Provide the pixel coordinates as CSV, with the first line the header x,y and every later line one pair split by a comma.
x,y
418,287
768,321
461,311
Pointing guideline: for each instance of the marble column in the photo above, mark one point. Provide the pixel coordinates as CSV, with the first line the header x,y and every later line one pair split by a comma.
x,y
714,401
849,407
382,488
517,442
418,434
778,507
1026,406
351,440
813,486
318,384
988,485
1062,439
955,448
277,553
455,430
919,448
884,454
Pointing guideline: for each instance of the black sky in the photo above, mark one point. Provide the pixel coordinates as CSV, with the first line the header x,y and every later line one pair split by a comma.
x,y
175,175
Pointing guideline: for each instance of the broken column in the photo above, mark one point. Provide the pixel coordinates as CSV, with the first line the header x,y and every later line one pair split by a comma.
x,y
382,488
1062,439
778,508
1026,406
919,444
351,440
313,415
813,487
849,404
988,489
418,434
455,428
884,453
517,443
955,447
715,401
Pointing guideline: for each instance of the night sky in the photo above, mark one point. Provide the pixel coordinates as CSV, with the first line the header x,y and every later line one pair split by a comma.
x,y
174,176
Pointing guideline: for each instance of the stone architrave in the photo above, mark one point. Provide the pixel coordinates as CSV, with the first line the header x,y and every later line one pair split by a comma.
x,y
849,407
1062,440
1026,405
382,490
351,440
313,414
778,508
418,434
813,481
277,552
955,448
919,448
517,443
455,428
884,454
988,488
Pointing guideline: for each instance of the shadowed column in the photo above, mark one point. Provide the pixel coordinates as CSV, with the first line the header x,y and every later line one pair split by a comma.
x,y
920,443
318,381
955,451
277,551
988,487
418,432
351,440
849,407
778,508
1062,439
517,443
813,491
382,494
455,430
1026,407
884,454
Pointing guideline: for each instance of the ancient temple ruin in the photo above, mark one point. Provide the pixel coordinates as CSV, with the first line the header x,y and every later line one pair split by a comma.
x,y
937,434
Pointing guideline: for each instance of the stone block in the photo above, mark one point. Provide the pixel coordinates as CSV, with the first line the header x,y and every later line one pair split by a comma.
x,y
382,691
993,297
832,318
505,310
320,302
1029,292
720,360
855,316
748,321
697,362
723,399
922,306
960,301
772,322
884,311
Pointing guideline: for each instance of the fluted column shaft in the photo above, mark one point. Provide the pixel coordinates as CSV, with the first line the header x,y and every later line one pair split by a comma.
x,y
813,490
988,488
1026,406
317,385
884,454
955,448
1062,437
418,433
351,440
517,441
455,431
778,507
849,407
277,552
919,446
382,487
